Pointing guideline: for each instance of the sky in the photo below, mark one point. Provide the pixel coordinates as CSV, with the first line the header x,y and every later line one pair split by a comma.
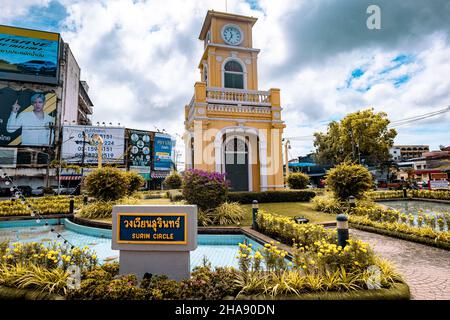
x,y
140,59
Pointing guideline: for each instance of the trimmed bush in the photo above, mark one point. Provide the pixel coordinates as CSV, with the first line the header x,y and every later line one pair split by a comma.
x,y
227,213
174,195
173,181
271,196
298,180
103,209
206,189
347,180
136,181
107,183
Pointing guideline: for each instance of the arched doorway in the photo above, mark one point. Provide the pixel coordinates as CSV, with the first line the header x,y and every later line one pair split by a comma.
x,y
236,163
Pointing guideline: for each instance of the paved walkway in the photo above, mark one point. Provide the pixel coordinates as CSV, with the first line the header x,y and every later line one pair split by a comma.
x,y
425,269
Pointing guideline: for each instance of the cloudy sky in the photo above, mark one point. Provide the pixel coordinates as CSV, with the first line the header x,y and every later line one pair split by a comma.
x,y
140,59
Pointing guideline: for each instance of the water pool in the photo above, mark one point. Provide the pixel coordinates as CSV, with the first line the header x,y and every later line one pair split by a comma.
x,y
220,250
414,206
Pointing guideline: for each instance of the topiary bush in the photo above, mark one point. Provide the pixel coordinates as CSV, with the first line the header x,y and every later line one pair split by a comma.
x,y
173,181
347,180
136,181
206,189
227,213
107,183
298,180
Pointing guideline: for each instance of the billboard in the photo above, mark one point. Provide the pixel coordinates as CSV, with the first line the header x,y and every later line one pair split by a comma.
x,y
81,149
29,55
139,152
8,157
26,117
163,152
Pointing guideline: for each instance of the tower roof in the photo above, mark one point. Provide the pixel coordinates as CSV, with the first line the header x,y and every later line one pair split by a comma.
x,y
211,13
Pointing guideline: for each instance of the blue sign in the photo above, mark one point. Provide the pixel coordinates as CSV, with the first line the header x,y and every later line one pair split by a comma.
x,y
152,228
29,55
163,152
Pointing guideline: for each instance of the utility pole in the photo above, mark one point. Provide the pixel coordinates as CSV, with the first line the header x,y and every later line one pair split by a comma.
x,y
47,169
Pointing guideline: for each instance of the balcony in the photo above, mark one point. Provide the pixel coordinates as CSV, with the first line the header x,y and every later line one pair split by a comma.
x,y
238,97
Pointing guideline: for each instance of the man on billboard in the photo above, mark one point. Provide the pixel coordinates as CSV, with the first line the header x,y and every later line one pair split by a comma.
x,y
35,125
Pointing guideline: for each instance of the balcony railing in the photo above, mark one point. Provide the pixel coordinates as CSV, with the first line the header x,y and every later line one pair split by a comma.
x,y
237,96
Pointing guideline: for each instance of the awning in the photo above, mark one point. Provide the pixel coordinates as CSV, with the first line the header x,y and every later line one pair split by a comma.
x,y
77,177
160,175
302,164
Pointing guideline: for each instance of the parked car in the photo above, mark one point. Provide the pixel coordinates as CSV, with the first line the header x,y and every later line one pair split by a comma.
x,y
26,190
37,66
39,191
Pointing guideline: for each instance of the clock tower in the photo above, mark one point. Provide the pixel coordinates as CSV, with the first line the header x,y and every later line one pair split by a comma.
x,y
231,126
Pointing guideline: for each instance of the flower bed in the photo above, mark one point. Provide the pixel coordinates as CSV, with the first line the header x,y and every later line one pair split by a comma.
x,y
44,205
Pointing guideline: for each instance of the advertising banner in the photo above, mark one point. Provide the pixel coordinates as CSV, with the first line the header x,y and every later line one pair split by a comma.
x,y
26,117
29,55
438,184
139,152
8,157
74,141
163,152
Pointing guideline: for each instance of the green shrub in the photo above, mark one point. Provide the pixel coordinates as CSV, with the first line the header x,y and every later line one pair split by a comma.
x,y
297,180
206,189
173,181
175,195
227,213
136,181
103,209
271,196
107,183
347,180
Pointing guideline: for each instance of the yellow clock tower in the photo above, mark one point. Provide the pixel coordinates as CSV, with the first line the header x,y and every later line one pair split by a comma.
x,y
231,126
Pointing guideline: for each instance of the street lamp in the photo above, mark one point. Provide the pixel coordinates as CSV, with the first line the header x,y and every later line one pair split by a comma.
x,y
352,201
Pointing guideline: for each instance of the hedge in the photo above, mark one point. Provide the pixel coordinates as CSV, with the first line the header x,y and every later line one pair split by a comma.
x,y
271,196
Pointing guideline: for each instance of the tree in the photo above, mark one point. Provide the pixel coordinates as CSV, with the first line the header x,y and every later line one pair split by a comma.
x,y
107,183
361,137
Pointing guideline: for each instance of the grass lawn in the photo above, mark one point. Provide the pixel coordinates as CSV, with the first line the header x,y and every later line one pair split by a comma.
x,y
289,209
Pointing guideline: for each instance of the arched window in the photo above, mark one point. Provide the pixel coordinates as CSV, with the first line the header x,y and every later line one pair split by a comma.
x,y
205,75
234,75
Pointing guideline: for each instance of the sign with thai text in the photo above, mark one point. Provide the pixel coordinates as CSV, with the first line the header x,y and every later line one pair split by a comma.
x,y
152,228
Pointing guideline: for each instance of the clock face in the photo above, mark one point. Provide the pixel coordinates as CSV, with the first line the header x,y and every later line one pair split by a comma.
x,y
232,35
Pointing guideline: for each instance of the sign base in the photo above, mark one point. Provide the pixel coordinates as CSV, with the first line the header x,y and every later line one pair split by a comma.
x,y
175,265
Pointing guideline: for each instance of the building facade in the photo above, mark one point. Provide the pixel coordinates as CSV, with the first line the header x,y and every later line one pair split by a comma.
x,y
51,78
231,126
406,152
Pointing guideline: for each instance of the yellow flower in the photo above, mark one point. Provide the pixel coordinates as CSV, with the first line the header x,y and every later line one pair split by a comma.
x,y
94,256
319,254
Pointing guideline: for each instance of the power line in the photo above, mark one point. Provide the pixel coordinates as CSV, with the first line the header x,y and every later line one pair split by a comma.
x,y
393,124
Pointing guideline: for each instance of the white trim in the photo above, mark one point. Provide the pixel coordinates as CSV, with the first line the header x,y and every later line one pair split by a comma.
x,y
249,154
244,69
234,26
225,46
262,145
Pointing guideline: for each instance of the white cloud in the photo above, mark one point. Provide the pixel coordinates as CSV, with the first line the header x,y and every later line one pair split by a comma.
x,y
140,60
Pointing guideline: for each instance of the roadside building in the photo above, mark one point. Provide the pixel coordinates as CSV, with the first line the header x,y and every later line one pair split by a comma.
x,y
406,152
37,68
